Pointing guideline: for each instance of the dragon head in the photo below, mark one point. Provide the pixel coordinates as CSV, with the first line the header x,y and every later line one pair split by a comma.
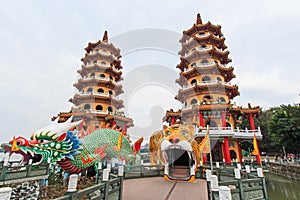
x,y
52,145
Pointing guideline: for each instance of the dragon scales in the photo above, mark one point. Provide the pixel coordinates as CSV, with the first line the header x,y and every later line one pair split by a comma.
x,y
55,143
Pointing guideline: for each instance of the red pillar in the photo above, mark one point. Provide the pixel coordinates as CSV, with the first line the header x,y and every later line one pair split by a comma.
x,y
201,119
172,120
239,152
251,119
226,150
224,119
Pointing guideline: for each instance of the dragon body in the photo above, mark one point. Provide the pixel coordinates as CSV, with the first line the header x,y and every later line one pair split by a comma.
x,y
55,143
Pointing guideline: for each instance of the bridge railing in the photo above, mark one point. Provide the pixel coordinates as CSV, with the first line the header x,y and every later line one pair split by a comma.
x,y
13,174
248,186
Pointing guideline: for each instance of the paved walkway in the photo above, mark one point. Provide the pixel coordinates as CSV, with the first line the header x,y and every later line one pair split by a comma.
x,y
158,189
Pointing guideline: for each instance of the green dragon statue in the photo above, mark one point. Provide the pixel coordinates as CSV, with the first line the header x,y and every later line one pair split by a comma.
x,y
55,143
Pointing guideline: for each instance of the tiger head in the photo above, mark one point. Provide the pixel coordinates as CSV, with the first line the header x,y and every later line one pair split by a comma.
x,y
179,151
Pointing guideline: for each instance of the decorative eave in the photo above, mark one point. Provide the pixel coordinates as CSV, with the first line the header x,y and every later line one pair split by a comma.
x,y
219,88
196,28
196,41
226,72
171,113
98,56
77,99
127,120
98,82
207,107
99,68
213,53
103,45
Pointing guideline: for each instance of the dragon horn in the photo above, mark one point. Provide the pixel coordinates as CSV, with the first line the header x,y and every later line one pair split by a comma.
x,y
137,144
107,125
114,127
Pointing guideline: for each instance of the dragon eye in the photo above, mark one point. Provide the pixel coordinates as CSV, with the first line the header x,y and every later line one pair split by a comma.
x,y
41,141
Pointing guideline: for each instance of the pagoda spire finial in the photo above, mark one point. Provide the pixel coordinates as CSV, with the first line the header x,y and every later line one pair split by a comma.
x,y
199,20
105,37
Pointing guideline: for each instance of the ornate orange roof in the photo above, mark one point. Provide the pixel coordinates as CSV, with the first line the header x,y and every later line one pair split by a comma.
x,y
98,82
217,88
209,39
103,45
212,53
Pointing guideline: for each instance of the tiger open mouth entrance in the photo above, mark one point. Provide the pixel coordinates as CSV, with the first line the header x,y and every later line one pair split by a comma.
x,y
179,163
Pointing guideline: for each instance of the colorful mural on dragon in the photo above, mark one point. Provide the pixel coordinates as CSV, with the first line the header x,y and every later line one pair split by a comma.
x,y
56,143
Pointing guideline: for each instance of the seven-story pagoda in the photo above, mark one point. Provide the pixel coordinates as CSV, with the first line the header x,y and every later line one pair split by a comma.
x,y
97,100
206,91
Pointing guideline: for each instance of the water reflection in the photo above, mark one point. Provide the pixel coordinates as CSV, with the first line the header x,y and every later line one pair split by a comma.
x,y
280,188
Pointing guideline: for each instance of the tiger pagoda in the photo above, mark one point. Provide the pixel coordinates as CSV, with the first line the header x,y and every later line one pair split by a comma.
x,y
206,93
96,100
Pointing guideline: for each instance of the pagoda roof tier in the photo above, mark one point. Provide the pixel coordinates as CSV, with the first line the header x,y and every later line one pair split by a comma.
x,y
100,68
206,107
103,45
247,111
99,56
97,98
207,39
197,28
104,82
171,113
213,88
226,72
211,53
64,116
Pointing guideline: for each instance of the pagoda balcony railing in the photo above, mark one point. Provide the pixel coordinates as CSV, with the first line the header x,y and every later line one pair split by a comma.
x,y
93,64
200,65
98,78
97,94
230,132
206,83
199,36
198,49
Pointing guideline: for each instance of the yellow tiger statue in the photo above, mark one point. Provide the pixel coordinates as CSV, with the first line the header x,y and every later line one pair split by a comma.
x,y
175,148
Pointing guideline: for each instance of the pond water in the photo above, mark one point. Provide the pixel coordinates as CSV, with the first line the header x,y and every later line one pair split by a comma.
x,y
281,188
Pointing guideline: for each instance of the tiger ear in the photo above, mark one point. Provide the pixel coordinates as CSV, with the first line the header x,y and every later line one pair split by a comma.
x,y
192,129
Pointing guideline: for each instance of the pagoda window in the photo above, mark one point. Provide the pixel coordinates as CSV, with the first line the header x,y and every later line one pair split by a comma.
x,y
203,46
219,79
102,76
110,92
193,64
87,107
90,90
194,82
194,49
103,63
100,90
99,107
92,75
110,109
206,79
202,33
111,78
204,61
95,61
194,102
222,100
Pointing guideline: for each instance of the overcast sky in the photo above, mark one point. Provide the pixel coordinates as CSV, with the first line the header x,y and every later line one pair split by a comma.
x,y
41,45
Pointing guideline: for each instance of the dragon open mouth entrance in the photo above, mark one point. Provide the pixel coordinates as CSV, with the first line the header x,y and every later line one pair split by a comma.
x,y
179,163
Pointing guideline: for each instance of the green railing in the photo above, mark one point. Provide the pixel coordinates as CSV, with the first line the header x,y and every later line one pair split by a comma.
x,y
13,174
250,186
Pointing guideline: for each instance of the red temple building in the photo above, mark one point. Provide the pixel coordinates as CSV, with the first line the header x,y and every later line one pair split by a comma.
x,y
98,88
206,92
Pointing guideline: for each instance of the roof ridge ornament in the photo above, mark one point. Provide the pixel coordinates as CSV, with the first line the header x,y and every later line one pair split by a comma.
x,y
105,37
199,20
